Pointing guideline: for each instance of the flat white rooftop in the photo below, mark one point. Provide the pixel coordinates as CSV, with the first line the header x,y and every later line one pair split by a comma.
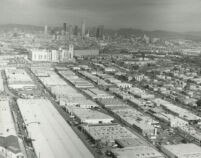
x,y
109,132
7,126
137,152
184,150
88,114
52,79
53,137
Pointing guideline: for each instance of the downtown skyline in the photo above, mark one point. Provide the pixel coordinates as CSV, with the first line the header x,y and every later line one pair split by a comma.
x,y
171,15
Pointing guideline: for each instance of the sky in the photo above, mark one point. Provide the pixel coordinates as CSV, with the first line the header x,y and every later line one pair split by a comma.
x,y
170,15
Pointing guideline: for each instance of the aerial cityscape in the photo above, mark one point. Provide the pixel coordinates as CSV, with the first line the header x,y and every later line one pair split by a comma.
x,y
100,79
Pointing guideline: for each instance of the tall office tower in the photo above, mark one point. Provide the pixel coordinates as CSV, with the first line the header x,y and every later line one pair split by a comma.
x,y
76,29
46,30
64,27
100,32
83,28
70,30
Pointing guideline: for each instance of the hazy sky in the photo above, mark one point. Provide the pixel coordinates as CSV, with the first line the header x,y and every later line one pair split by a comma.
x,y
176,15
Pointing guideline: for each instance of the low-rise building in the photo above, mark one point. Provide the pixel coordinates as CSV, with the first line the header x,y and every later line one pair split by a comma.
x,y
79,53
108,133
96,93
19,79
136,152
143,123
9,142
182,151
91,116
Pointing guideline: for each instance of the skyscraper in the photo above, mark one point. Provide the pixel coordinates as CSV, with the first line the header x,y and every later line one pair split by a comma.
x,y
100,32
83,28
46,30
70,30
76,29
64,27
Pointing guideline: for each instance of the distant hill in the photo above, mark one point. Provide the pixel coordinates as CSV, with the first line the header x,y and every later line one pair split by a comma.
x,y
160,34
123,31
21,27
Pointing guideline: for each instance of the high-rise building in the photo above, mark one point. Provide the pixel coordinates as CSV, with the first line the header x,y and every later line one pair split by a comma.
x,y
100,32
46,30
83,28
70,30
76,29
64,27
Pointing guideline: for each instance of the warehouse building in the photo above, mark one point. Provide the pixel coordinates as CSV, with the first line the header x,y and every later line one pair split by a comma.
x,y
140,93
10,144
136,152
142,123
88,52
52,79
75,80
182,151
108,133
19,79
65,92
96,93
111,102
129,142
53,137
82,103
7,126
91,116
181,112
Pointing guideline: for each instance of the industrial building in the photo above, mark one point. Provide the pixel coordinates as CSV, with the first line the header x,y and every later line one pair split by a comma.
x,y
112,103
91,116
52,136
181,112
7,126
174,121
140,93
108,133
75,80
95,79
88,52
52,79
10,144
182,151
19,79
130,142
96,93
65,92
136,152
79,103
143,123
